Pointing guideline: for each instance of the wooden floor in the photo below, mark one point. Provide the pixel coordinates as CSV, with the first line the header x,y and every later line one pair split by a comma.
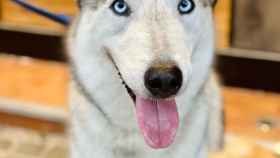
x,y
252,117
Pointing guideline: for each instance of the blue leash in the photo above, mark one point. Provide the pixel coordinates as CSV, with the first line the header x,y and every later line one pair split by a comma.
x,y
59,18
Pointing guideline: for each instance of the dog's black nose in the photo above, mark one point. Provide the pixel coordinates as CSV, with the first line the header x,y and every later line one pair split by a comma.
x,y
163,82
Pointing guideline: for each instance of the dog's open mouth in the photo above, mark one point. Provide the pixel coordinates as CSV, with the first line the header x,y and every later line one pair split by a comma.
x,y
158,119
129,90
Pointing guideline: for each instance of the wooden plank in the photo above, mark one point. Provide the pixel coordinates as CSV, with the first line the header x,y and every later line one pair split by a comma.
x,y
246,109
250,54
1,9
256,25
242,147
245,137
35,81
223,23
36,124
20,17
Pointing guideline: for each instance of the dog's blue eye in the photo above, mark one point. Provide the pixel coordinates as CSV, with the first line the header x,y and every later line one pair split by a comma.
x,y
186,6
120,7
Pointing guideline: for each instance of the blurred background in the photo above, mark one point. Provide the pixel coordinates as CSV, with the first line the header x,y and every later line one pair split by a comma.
x,y
34,79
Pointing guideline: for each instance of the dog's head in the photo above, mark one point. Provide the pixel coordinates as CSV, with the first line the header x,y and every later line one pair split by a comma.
x,y
158,50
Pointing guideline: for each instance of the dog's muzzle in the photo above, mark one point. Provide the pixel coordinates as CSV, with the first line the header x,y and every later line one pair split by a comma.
x,y
157,116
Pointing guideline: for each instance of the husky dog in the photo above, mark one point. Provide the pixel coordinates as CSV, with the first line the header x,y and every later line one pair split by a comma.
x,y
142,83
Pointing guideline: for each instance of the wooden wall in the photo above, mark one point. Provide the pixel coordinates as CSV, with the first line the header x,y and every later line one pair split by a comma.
x,y
256,24
35,81
223,19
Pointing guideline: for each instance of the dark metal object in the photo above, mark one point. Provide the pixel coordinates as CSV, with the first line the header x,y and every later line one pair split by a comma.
x,y
59,18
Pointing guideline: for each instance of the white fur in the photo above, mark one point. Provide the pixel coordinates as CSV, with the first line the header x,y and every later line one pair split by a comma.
x,y
103,121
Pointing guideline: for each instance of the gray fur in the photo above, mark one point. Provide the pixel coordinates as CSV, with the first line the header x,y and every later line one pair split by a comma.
x,y
103,121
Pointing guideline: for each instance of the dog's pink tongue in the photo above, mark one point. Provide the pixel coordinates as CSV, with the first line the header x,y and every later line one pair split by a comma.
x,y
158,121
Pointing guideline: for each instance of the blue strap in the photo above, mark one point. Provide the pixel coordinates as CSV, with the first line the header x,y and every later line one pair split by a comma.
x,y
59,18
